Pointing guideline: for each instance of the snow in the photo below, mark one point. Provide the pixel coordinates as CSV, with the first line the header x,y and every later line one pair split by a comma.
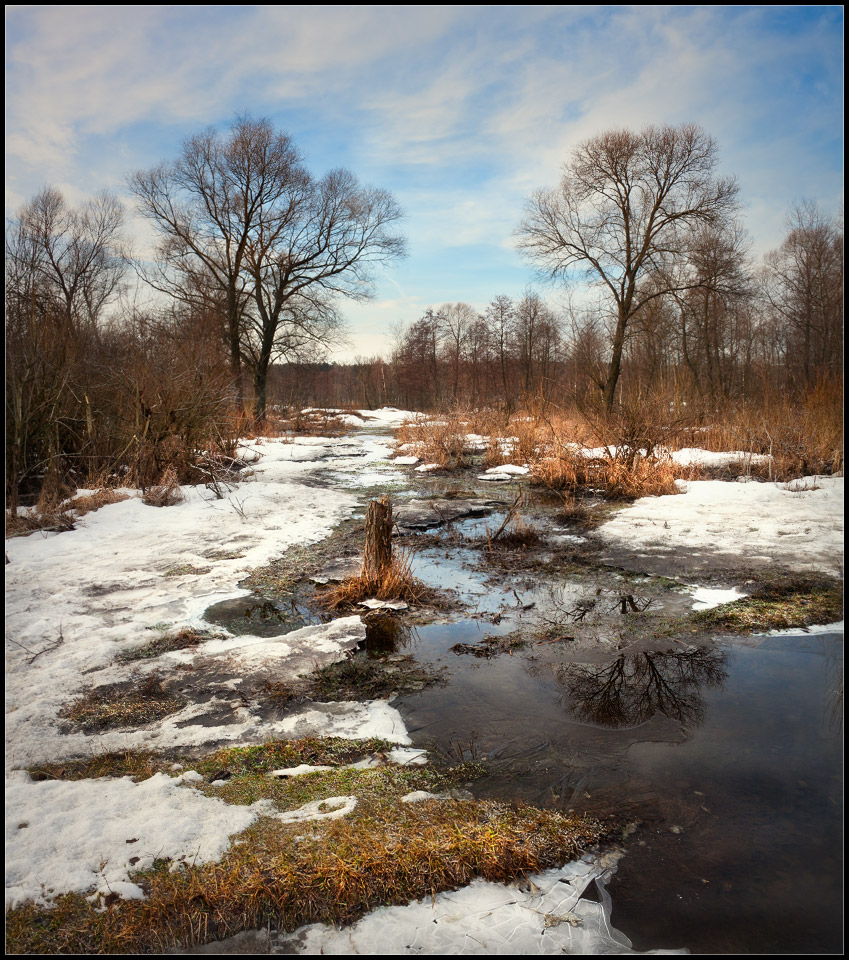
x,y
706,598
510,469
81,835
547,914
696,457
799,526
130,571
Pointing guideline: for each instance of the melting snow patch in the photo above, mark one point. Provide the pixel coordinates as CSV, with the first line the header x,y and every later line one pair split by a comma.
x,y
299,771
330,809
510,469
545,915
375,604
706,598
90,834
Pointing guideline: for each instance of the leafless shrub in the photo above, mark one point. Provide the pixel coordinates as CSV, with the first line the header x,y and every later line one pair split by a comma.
x,y
166,493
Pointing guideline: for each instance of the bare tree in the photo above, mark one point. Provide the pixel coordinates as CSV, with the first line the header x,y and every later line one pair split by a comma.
x,y
499,318
208,206
804,287
624,211
324,246
243,224
63,267
66,262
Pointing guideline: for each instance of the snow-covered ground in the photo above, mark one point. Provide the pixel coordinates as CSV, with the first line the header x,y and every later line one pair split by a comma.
x,y
798,525
130,571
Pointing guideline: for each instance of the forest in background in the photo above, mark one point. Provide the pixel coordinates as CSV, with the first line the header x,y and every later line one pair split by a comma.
x,y
670,322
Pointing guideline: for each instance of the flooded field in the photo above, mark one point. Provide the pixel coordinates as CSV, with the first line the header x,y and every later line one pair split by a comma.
x,y
720,756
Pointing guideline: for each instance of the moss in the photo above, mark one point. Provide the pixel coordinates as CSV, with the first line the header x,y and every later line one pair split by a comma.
x,y
776,604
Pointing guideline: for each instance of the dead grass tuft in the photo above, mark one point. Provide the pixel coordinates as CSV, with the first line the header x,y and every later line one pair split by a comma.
x,y
94,501
636,477
121,706
55,519
395,583
167,492
182,640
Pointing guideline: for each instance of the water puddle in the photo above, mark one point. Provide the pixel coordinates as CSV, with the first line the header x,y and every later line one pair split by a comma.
x,y
729,757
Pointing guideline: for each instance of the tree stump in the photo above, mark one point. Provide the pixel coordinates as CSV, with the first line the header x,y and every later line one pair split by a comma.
x,y
377,556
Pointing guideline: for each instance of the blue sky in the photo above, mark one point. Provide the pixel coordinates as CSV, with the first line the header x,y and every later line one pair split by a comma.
x,y
460,111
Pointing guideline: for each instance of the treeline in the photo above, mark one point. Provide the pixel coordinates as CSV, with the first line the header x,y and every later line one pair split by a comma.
x,y
741,332
255,256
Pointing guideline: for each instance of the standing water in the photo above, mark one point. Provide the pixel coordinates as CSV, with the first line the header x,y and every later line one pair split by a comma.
x,y
725,761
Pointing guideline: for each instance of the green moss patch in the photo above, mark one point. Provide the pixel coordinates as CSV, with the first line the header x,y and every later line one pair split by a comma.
x,y
778,604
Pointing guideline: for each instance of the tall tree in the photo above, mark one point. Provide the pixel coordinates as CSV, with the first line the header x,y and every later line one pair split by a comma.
x,y
804,285
623,216
207,206
241,218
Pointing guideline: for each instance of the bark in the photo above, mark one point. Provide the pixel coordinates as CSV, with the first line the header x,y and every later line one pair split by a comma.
x,y
377,556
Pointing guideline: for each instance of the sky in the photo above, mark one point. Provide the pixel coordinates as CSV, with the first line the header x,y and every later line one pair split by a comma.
x,y
459,111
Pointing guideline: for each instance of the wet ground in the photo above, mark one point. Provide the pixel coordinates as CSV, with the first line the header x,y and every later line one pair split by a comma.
x,y
722,756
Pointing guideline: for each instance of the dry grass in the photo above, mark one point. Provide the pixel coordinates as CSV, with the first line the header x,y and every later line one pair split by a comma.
x,y
395,583
122,706
186,638
55,519
101,497
440,439
289,875
60,515
167,492
803,437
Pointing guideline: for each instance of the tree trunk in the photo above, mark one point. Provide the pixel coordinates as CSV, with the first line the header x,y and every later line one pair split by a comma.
x,y
377,556
615,365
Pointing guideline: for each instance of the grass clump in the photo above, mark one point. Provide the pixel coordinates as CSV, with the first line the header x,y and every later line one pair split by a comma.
x,y
493,646
167,492
184,639
121,706
778,604
90,502
238,761
395,582
139,764
364,678
285,876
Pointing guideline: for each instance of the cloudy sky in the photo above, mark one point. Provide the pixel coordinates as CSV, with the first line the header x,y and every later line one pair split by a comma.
x,y
460,111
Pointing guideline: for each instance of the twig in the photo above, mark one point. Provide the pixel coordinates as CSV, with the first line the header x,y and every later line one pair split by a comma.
x,y
34,654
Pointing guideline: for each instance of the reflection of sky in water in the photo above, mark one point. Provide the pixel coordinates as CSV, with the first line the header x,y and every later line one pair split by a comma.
x,y
738,783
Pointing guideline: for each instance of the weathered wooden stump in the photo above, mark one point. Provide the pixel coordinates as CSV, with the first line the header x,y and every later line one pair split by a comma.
x,y
377,556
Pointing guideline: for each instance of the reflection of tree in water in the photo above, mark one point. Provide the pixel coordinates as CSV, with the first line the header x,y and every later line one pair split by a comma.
x,y
632,689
